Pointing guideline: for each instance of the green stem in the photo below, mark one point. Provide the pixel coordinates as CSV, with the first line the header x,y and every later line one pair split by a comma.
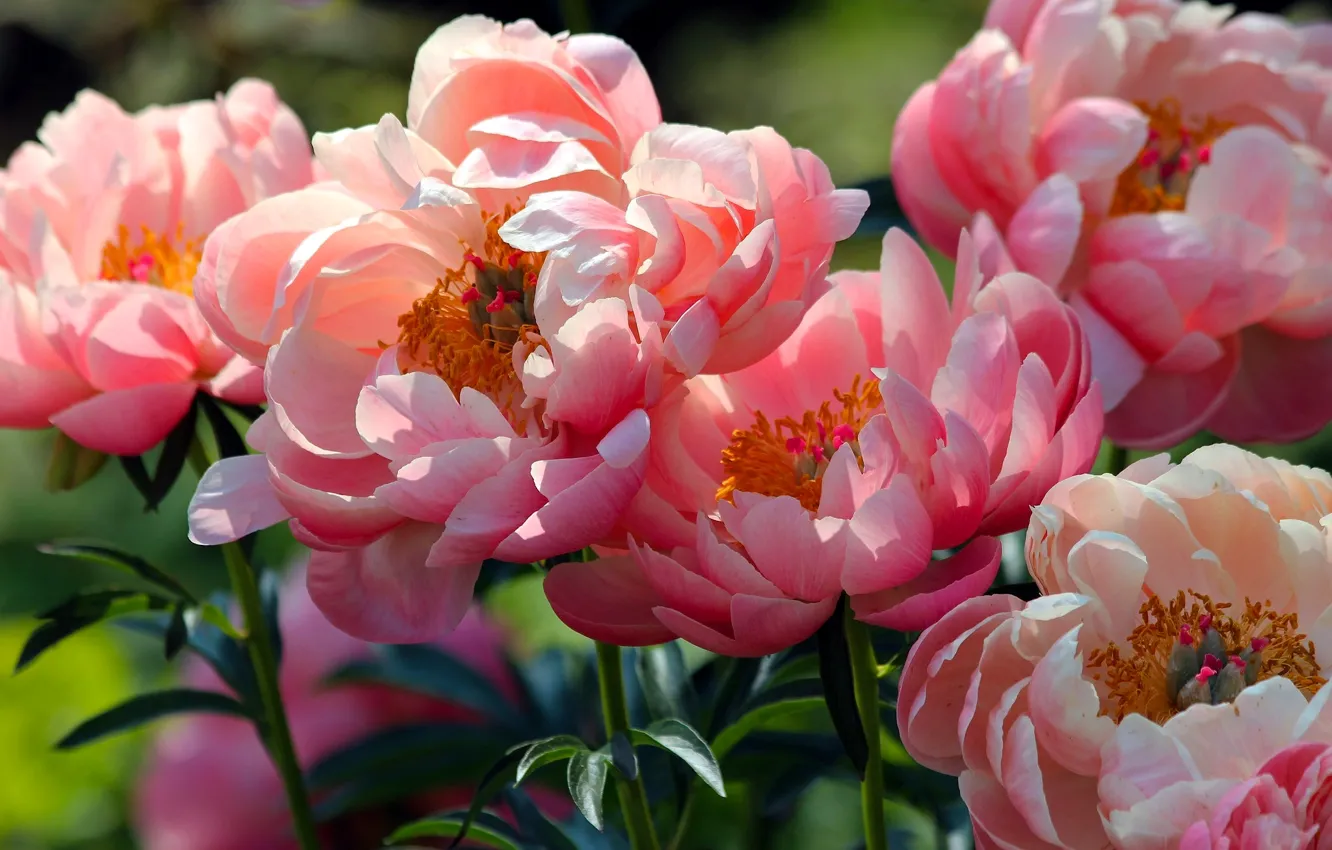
x,y
274,731
865,675
1119,459
633,797
686,815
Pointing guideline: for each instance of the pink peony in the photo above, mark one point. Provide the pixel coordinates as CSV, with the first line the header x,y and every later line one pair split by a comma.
x,y
436,399
1166,166
725,241
101,226
1283,807
1174,654
209,784
776,488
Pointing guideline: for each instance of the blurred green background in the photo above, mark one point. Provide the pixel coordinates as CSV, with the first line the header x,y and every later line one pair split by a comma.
x,y
830,75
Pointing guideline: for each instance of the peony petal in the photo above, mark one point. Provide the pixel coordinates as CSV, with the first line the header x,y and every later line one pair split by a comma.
x,y
922,601
127,422
234,499
607,600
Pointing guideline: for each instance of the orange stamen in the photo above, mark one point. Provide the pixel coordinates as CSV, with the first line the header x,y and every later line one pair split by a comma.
x,y
1158,180
154,260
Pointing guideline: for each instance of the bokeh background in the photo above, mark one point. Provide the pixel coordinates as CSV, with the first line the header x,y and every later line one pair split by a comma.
x,y
828,74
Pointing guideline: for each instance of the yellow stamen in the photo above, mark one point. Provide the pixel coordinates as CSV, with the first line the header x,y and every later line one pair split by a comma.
x,y
1158,180
1136,680
155,260
466,327
787,457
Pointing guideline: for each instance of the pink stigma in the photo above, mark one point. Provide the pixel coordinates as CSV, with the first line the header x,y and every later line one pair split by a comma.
x,y
843,434
515,258
1204,622
496,305
1205,154
1185,161
1213,662
1237,661
1149,157
1185,636
472,294
475,260
817,452
1204,674
141,269
512,295
795,445
1258,644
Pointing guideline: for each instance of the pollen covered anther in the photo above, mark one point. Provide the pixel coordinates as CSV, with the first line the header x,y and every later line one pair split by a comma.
x,y
1154,674
788,457
1158,180
156,260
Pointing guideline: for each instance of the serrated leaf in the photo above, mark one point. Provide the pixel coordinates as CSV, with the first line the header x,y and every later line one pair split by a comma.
x,y
587,784
662,674
426,670
682,740
433,827
120,560
146,708
546,751
623,756
839,689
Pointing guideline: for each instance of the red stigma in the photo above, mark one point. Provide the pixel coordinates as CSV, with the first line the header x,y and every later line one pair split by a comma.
x,y
472,294
1204,674
496,305
1185,636
1213,662
1258,644
475,260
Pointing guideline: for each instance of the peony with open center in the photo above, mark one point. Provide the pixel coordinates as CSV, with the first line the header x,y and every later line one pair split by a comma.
x,y
891,426
1164,166
1184,639
102,223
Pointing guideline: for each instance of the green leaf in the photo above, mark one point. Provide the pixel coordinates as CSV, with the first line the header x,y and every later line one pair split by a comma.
x,y
120,560
495,779
623,756
758,718
414,756
148,707
839,689
534,824
138,475
177,634
681,739
426,670
216,617
587,784
662,673
79,612
433,827
546,751
229,441
226,655
170,463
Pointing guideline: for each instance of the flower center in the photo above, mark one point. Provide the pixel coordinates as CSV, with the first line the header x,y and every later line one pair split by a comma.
x,y
788,457
466,328
1158,180
155,260
1194,651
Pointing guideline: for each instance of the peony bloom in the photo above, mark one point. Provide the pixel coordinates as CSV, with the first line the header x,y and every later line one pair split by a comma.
x,y
776,488
209,784
1283,807
1176,653
101,228
436,398
1166,166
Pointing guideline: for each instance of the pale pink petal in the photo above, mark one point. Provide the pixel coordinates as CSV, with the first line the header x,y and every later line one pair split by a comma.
x,y
889,541
917,321
1092,138
1044,232
924,195
1065,709
234,498
240,381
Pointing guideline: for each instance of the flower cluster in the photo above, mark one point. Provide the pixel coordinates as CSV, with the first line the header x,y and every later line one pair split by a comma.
x,y
1164,166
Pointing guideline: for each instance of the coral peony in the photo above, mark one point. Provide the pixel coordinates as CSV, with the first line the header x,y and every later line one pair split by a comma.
x,y
437,397
1166,166
210,785
775,488
101,226
1175,654
1283,807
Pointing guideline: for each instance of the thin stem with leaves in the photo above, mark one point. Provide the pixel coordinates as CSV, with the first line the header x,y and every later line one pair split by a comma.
x,y
615,711
865,674
274,731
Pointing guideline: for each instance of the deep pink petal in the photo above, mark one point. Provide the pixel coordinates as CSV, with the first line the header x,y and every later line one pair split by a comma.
x,y
126,422
607,600
920,603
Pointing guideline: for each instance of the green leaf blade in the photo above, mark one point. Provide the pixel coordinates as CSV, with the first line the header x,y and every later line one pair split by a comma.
x,y
547,751
145,708
683,741
587,784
